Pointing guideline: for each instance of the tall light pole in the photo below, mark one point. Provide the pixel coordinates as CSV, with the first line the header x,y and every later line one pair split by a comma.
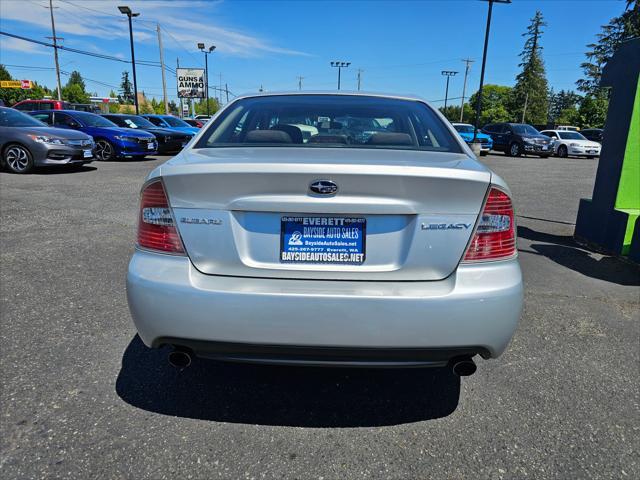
x,y
448,74
127,11
340,66
206,70
484,62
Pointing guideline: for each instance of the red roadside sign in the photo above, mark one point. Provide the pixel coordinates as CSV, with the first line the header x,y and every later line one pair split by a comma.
x,y
25,84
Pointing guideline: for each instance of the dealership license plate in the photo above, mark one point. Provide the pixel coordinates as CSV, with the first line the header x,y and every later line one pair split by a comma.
x,y
87,153
150,146
338,240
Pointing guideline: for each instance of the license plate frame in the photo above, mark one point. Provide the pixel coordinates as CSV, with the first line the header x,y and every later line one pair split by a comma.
x,y
323,240
150,146
87,154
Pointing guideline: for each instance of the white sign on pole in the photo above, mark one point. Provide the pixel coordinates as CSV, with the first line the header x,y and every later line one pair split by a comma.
x,y
190,82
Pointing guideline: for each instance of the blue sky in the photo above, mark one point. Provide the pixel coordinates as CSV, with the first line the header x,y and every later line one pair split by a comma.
x,y
400,46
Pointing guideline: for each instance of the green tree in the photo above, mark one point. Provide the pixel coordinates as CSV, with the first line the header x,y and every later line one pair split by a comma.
x,y
126,90
496,100
530,94
201,106
75,94
10,96
593,110
76,79
562,105
173,108
618,30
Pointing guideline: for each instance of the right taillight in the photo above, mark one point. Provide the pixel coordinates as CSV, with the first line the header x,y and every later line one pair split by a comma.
x,y
495,236
156,227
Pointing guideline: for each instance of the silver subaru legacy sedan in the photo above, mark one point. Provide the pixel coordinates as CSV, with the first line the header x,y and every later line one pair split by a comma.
x,y
333,229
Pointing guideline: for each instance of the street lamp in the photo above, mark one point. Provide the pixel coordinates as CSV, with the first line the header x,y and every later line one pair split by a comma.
x,y
127,11
484,61
206,52
448,74
340,66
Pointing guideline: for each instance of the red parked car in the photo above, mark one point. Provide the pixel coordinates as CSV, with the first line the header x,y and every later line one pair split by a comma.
x,y
31,105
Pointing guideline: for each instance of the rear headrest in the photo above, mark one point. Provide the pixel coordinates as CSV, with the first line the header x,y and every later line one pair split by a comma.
x,y
294,132
390,138
329,139
267,136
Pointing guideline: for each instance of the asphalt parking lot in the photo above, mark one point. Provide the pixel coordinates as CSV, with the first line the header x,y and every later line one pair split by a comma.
x,y
83,398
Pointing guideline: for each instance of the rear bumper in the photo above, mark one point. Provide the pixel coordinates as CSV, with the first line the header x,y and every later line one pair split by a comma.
x,y
475,310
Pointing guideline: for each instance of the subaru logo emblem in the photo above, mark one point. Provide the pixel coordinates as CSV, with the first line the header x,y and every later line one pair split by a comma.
x,y
323,187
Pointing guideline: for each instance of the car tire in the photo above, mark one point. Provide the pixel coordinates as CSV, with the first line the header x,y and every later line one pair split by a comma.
x,y
515,150
484,153
104,151
17,158
562,151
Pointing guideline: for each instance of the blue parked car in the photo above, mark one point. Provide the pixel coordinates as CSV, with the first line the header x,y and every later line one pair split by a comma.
x,y
111,141
174,123
465,130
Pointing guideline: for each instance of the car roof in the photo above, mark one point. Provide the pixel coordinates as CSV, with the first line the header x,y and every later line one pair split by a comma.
x,y
344,93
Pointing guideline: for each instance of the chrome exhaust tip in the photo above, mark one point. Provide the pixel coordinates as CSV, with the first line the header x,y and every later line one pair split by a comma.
x,y
180,359
463,367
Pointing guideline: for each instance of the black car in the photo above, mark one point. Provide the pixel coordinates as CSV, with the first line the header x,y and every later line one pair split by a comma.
x,y
515,139
169,141
593,134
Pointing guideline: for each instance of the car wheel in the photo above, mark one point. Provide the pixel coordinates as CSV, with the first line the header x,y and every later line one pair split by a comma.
x,y
104,151
562,151
515,150
18,159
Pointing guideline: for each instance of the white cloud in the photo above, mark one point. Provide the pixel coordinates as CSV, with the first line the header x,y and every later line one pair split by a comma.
x,y
17,45
187,22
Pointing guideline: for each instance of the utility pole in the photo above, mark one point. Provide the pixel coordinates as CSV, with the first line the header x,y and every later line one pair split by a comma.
x,y
448,74
55,49
220,91
468,61
359,77
300,82
164,80
226,89
524,110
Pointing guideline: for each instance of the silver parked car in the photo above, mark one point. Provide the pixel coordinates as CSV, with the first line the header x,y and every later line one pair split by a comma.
x,y
26,143
357,246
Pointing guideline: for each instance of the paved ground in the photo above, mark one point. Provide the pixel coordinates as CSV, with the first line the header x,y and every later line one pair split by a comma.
x,y
83,398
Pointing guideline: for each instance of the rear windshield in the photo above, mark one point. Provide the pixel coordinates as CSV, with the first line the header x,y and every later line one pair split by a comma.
x,y
464,128
329,121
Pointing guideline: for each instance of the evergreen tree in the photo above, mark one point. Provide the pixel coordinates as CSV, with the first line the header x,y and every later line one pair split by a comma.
x,y
126,90
618,30
76,79
530,94
563,105
74,91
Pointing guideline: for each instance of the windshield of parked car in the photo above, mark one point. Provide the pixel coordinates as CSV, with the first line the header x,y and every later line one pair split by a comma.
x,y
464,128
134,121
92,120
571,136
13,118
525,130
344,121
175,122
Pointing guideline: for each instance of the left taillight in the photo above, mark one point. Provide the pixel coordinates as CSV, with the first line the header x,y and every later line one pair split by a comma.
x,y
156,226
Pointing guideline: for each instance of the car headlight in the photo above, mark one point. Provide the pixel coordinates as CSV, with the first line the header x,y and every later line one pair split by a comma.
x,y
124,138
528,140
47,139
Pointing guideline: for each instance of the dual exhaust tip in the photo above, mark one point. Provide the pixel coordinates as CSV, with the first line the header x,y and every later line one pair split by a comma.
x,y
180,358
